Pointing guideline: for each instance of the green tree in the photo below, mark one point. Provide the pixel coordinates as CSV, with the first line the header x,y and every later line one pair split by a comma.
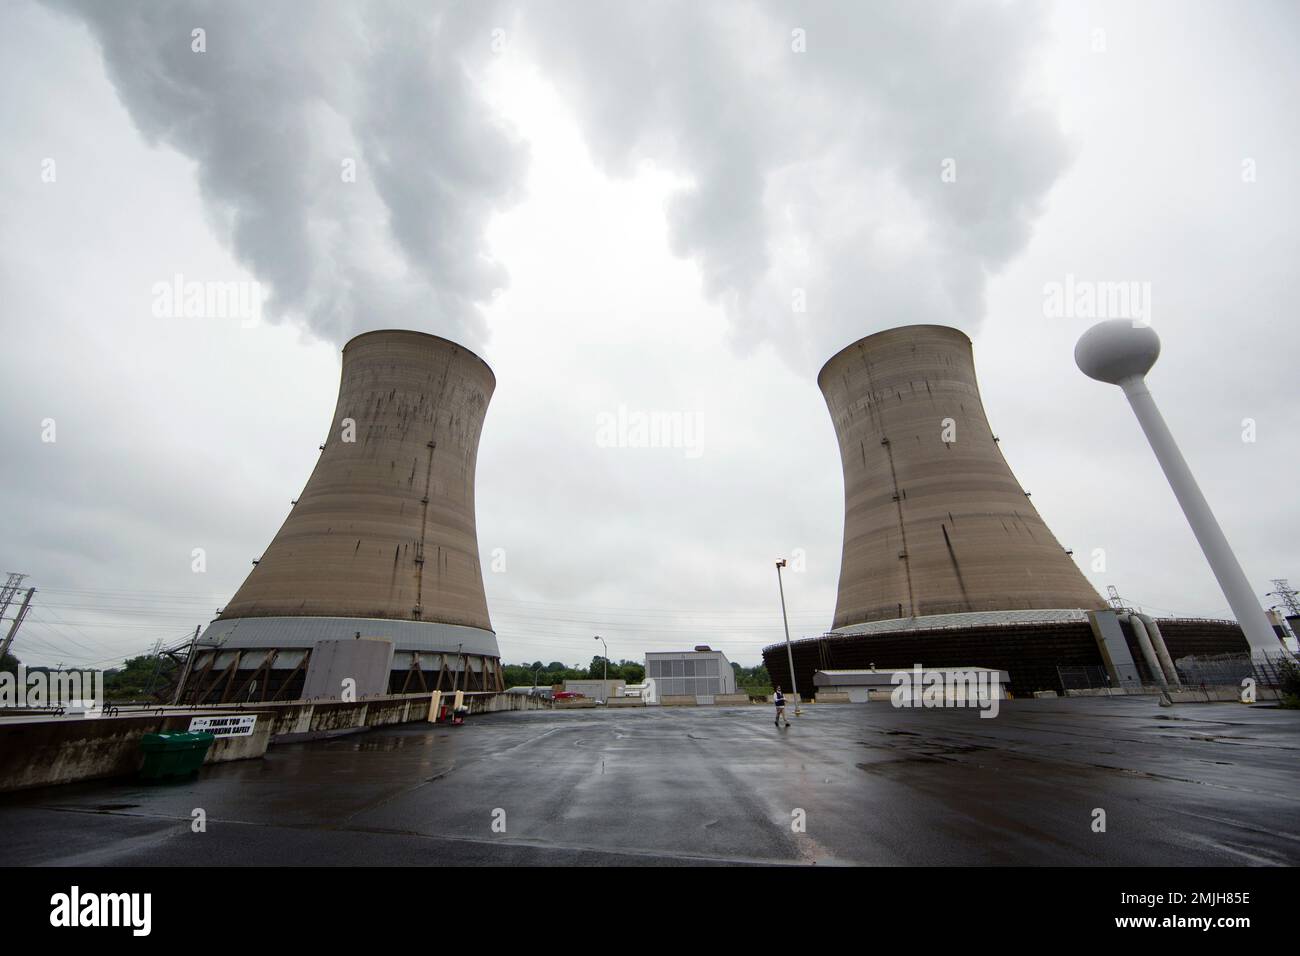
x,y
1289,682
630,671
752,680
138,678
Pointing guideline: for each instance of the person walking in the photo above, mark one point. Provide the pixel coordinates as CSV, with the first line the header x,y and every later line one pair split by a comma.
x,y
779,698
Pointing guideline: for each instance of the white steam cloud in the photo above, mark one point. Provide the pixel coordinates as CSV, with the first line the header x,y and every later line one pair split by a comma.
x,y
853,165
284,97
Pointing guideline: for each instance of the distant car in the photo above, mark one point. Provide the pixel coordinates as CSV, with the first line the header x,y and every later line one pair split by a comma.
x,y
567,695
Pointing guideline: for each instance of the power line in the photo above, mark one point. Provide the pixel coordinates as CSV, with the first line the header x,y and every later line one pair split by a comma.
x,y
202,599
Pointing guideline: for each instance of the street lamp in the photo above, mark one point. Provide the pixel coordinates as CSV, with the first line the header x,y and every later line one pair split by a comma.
x,y
604,687
789,654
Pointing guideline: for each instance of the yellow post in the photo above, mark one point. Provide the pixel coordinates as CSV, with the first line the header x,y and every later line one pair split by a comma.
x,y
435,701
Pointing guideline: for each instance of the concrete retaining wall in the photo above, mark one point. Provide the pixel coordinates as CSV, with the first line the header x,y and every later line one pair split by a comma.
x,y
1214,694
307,719
688,700
57,750
53,750
1188,695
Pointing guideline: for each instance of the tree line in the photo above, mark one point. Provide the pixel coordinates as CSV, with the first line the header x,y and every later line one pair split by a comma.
x,y
753,680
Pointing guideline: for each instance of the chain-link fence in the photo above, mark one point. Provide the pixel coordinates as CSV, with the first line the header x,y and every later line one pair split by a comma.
x,y
1213,670
1227,669
1083,677
1216,670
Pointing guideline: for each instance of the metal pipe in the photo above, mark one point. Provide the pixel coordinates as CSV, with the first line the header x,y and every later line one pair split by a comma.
x,y
1162,651
1148,651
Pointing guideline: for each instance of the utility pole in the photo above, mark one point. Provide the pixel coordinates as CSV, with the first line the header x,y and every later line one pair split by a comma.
x,y
789,654
157,665
9,590
189,662
18,619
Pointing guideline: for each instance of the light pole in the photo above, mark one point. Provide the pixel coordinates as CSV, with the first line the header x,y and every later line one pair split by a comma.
x,y
455,678
789,654
604,687
1121,353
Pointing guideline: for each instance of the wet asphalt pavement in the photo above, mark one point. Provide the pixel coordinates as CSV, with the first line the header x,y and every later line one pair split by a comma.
x,y
1210,784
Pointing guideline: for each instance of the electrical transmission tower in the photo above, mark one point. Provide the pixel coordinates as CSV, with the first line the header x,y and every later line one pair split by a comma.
x,y
9,590
1113,599
1286,594
18,620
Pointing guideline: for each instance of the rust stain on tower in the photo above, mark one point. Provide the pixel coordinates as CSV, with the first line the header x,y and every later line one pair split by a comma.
x,y
934,520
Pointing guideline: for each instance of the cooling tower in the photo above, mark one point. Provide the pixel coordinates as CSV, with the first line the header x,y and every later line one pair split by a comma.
x,y
381,542
934,520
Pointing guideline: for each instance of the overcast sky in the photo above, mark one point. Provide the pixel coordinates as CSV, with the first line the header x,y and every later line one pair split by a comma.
x,y
667,207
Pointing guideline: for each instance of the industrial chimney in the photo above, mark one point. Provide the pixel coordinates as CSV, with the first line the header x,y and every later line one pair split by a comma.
x,y
934,520
381,543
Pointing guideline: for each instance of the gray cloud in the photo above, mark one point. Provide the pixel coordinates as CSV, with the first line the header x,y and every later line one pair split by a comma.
x,y
816,171
283,95
820,170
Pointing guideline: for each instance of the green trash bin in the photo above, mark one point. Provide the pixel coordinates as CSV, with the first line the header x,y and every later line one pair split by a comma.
x,y
173,755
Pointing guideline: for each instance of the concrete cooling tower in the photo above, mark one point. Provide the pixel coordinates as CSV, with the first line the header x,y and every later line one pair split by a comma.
x,y
934,520
381,544
946,562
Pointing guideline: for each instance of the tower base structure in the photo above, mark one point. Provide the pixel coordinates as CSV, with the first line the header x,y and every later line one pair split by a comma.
x,y
261,659
1060,650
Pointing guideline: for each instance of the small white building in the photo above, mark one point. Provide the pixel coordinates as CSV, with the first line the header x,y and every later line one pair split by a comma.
x,y
702,673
